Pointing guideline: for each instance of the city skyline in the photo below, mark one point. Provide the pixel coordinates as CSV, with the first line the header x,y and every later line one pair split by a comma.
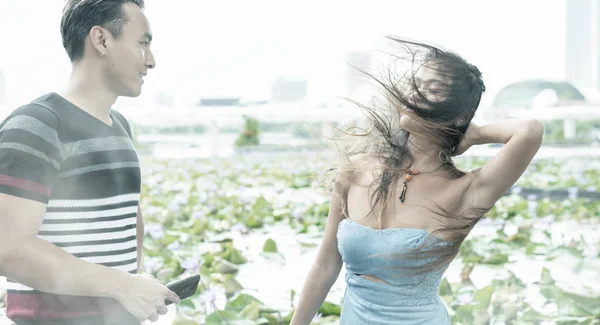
x,y
239,49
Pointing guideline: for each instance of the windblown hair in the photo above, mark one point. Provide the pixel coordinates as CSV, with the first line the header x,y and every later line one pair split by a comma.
x,y
431,120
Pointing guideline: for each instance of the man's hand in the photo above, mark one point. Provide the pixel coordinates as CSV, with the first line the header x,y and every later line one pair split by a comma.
x,y
144,297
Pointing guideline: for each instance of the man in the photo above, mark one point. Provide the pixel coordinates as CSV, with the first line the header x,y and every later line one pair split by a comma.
x,y
70,226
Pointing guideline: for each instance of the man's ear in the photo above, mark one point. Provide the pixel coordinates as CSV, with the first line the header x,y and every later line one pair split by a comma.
x,y
98,36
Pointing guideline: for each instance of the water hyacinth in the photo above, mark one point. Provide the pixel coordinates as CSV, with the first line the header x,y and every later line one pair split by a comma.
x,y
239,227
152,210
573,193
191,264
245,197
214,298
211,187
179,201
175,206
202,197
153,264
547,219
298,213
510,229
284,187
156,231
532,203
464,298
198,214
174,246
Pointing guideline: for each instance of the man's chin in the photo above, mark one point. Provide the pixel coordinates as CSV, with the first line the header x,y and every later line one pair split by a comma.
x,y
132,93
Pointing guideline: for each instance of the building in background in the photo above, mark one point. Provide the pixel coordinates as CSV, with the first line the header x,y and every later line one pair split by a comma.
x,y
355,63
583,43
220,101
288,89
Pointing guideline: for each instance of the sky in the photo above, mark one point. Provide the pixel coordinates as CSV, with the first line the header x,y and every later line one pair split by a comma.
x,y
239,47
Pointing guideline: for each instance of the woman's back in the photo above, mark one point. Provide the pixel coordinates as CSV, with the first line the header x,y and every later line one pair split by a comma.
x,y
421,209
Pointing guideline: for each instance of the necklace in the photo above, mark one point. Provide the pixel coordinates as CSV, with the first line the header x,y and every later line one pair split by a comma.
x,y
408,177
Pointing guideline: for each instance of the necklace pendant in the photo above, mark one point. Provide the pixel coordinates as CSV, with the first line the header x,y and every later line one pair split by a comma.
x,y
403,193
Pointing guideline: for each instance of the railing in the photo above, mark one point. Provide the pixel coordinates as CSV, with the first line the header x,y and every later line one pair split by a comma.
x,y
215,118
568,114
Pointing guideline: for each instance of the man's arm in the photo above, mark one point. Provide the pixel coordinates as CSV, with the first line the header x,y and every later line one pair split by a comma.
x,y
140,238
36,263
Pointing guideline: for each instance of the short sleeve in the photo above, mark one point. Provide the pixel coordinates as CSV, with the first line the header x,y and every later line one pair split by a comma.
x,y
30,153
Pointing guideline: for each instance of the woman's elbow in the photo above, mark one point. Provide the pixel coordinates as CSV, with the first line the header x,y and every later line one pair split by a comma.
x,y
534,130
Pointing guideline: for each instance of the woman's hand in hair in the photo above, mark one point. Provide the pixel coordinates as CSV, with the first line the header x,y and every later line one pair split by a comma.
x,y
467,140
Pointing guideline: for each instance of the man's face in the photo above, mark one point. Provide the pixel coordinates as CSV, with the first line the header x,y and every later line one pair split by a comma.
x,y
129,56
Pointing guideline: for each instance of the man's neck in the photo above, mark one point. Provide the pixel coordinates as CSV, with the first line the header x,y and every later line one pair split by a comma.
x,y
89,93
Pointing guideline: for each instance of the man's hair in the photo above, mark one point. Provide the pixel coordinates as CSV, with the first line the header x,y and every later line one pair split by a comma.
x,y
79,16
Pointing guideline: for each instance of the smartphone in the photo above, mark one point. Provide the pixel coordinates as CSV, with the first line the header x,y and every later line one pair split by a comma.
x,y
184,288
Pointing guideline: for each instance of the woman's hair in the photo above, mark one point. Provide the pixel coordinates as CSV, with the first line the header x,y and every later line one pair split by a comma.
x,y
431,120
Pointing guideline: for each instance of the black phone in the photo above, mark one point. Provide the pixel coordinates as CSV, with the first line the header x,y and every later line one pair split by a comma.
x,y
184,288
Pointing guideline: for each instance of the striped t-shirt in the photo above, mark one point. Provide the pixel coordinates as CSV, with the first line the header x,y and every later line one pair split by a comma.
x,y
88,174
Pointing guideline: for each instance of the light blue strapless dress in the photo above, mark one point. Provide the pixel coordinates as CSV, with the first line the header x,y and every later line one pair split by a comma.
x,y
404,299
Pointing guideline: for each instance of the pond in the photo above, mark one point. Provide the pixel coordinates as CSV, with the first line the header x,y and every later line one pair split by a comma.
x,y
530,259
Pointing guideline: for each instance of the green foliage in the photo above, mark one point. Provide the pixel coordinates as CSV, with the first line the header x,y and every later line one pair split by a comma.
x,y
250,134
195,211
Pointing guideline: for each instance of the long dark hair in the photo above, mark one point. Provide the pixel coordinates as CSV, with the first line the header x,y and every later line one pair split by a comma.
x,y
432,120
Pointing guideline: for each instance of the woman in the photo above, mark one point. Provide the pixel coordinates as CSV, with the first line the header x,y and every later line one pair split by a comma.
x,y
400,208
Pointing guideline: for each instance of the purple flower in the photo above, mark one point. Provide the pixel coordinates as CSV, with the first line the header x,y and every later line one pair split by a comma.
x,y
486,222
212,187
510,229
214,298
547,219
155,230
198,214
464,299
152,210
191,264
297,213
239,227
202,197
532,203
245,198
209,295
212,208
153,264
174,246
174,206
573,193
580,177
499,222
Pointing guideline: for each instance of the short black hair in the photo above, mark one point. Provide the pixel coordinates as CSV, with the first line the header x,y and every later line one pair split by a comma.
x,y
79,16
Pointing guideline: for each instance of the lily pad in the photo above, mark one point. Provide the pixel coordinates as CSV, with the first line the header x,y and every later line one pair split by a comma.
x,y
270,246
328,308
240,301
